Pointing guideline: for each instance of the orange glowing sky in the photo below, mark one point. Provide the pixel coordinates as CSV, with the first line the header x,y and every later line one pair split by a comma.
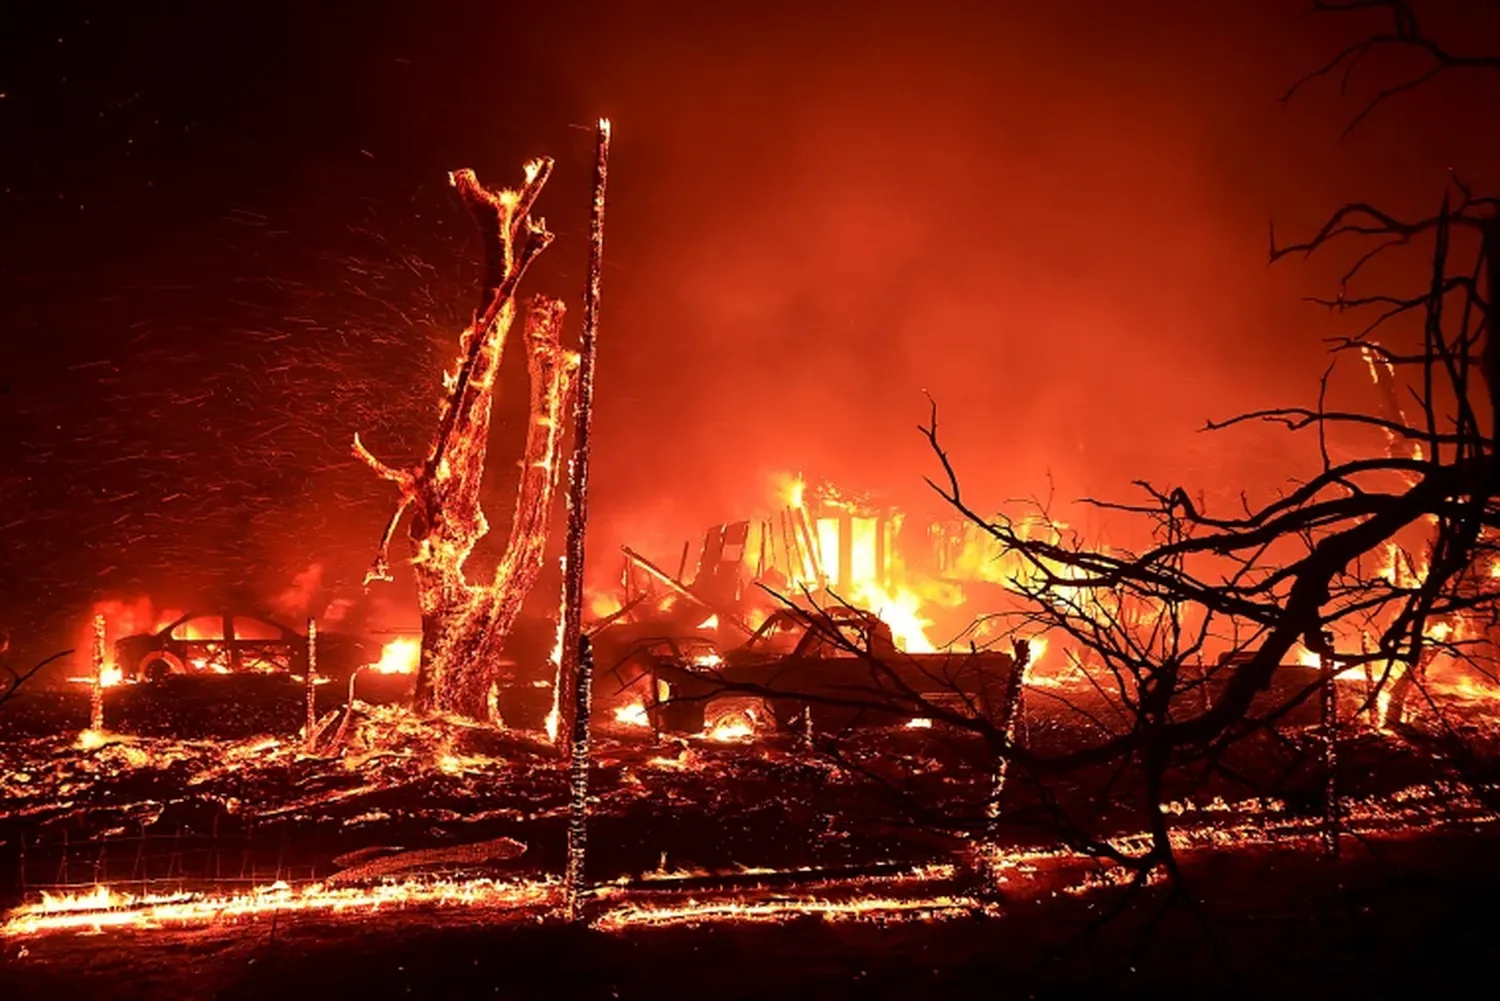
x,y
1052,217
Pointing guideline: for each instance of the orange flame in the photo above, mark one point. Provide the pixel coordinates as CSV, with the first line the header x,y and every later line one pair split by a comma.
x,y
632,714
399,656
103,908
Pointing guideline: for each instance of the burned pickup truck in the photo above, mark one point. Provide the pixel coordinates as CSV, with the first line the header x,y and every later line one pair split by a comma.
x,y
832,669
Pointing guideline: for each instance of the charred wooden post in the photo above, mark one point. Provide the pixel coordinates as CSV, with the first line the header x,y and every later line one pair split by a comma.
x,y
574,886
308,681
96,695
1009,722
1328,727
578,466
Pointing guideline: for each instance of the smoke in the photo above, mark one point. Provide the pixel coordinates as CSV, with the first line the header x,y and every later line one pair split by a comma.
x,y
304,598
1050,217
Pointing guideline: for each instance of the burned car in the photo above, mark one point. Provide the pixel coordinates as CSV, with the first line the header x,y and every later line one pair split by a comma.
x,y
236,643
831,669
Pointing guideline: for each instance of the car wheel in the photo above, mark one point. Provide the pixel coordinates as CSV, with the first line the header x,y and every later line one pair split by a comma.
x,y
159,665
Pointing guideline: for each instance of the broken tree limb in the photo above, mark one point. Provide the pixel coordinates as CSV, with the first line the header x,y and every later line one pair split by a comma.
x,y
399,861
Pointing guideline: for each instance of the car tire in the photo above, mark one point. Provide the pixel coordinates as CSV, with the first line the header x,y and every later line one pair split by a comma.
x,y
159,665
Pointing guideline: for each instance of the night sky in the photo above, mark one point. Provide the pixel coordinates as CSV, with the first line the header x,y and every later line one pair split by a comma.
x,y
228,245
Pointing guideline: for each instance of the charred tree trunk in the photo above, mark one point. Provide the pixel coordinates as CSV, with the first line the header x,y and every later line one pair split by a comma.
x,y
465,624
1009,722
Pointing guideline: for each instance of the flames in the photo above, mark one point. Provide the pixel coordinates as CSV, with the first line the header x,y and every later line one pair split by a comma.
x,y
632,714
728,721
732,720
881,909
919,893
399,656
846,551
836,548
103,907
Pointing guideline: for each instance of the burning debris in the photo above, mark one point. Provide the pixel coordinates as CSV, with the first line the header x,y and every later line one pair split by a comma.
x,y
888,720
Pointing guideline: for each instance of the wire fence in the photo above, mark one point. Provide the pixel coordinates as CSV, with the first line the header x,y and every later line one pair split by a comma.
x,y
161,863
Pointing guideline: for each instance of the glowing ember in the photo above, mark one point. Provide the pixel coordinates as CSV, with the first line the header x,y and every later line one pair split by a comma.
x,y
859,909
920,723
399,656
712,622
103,908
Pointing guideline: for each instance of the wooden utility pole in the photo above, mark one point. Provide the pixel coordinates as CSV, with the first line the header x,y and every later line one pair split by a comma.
x,y
310,738
96,697
577,659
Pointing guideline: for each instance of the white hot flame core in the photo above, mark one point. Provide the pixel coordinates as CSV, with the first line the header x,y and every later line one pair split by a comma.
x,y
399,656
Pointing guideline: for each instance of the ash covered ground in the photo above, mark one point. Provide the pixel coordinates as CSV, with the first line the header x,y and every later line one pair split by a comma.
x,y
708,853
201,764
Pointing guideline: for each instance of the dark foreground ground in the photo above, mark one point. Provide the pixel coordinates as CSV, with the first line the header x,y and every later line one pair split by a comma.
x,y
1412,917
1411,909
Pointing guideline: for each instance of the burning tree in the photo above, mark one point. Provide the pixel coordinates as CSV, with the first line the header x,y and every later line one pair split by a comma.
x,y
465,623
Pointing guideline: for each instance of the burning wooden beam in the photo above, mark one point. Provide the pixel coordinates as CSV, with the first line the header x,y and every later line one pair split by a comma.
x,y
659,575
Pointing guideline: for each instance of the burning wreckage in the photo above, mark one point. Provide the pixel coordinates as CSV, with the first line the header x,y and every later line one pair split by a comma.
x,y
796,620
933,711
